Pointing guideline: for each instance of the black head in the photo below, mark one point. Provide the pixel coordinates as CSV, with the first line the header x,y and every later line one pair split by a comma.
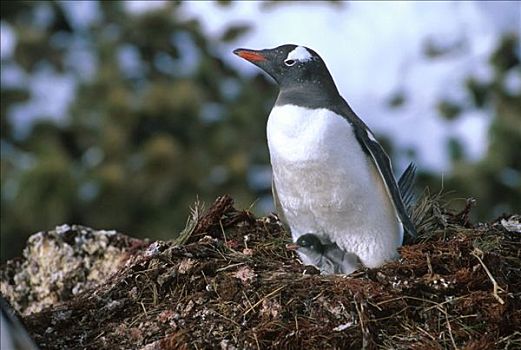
x,y
291,66
311,242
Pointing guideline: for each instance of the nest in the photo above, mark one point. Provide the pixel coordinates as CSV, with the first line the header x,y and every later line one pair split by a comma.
x,y
229,282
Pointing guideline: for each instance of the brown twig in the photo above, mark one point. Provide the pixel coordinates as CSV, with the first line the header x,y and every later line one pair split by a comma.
x,y
495,285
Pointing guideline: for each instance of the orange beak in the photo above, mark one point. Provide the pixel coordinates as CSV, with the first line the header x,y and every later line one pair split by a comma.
x,y
249,55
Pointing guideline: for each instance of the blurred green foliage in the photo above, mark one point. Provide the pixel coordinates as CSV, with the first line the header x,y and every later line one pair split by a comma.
x,y
495,180
141,143
143,140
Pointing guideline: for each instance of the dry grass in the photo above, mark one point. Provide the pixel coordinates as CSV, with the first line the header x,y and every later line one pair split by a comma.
x,y
229,282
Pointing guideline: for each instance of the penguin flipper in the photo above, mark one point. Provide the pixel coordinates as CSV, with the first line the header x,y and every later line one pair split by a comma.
x,y
380,159
383,164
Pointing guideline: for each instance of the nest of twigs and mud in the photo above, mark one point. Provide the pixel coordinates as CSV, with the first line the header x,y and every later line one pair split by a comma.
x,y
229,282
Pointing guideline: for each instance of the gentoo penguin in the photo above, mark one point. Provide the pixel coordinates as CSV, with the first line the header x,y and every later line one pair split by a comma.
x,y
331,177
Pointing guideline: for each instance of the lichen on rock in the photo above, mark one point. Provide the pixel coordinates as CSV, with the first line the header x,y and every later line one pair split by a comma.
x,y
61,263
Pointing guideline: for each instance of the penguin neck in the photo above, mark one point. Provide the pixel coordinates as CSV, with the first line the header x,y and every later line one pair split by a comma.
x,y
312,94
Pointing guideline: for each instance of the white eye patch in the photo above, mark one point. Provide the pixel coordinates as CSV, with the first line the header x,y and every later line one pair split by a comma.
x,y
299,54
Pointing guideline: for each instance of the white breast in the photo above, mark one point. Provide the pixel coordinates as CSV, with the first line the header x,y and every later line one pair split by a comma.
x,y
326,184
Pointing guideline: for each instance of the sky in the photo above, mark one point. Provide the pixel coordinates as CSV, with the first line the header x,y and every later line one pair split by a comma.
x,y
371,48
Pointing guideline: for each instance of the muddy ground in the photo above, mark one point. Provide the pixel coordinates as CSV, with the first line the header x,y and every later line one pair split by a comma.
x,y
228,282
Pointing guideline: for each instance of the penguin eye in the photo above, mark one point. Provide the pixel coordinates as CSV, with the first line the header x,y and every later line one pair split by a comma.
x,y
289,63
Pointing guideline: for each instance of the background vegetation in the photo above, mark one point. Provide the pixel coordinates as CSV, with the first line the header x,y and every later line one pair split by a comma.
x,y
141,142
